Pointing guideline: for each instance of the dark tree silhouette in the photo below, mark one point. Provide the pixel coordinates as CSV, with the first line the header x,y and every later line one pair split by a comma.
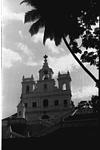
x,y
82,104
71,19
95,103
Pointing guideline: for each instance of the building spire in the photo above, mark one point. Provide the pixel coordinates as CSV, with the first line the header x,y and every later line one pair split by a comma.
x,y
45,58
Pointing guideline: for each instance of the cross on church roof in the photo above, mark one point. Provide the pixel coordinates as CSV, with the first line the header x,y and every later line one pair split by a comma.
x,y
45,56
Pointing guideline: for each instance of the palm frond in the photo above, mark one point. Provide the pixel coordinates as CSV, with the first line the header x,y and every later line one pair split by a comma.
x,y
48,33
29,2
25,1
45,36
31,15
57,39
36,26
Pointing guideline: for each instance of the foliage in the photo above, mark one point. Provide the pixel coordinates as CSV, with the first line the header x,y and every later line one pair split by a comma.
x,y
91,40
83,104
73,19
95,103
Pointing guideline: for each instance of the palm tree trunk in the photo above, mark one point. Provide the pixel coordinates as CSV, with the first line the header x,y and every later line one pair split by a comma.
x,y
81,64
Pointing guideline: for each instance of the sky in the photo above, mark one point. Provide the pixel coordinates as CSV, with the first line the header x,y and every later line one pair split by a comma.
x,y
23,55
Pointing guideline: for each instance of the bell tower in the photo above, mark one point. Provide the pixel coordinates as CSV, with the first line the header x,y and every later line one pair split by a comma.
x,y
64,81
45,72
28,85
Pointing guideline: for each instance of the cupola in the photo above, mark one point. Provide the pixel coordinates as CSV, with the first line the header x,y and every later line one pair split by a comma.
x,y
46,72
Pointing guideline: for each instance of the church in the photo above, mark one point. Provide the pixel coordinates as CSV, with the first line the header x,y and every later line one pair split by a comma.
x,y
43,104
43,100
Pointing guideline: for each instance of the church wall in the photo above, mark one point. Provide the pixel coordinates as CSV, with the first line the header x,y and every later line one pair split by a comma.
x,y
52,110
49,86
51,99
46,98
53,114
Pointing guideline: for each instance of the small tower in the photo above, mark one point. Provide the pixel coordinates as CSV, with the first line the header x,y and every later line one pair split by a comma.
x,y
64,81
45,72
27,85
21,110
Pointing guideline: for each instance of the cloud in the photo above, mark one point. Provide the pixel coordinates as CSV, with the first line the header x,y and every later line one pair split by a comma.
x,y
30,62
9,57
7,15
24,48
63,63
84,93
50,44
26,51
37,37
20,34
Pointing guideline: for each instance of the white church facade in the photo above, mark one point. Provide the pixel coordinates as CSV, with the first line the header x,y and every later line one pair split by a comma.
x,y
42,99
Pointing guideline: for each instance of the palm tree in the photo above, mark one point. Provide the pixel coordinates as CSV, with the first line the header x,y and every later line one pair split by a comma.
x,y
61,19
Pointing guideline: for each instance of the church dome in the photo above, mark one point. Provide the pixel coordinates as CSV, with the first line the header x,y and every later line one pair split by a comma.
x,y
46,72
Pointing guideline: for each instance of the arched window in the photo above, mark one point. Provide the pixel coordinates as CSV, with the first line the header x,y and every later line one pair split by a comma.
x,y
26,105
33,87
45,103
19,113
27,89
65,103
34,104
45,86
56,102
45,117
64,86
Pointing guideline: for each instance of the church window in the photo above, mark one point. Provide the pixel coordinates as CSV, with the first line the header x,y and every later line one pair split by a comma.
x,y
45,86
56,102
33,87
64,86
45,117
26,105
45,103
34,104
65,102
19,113
27,89
45,71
